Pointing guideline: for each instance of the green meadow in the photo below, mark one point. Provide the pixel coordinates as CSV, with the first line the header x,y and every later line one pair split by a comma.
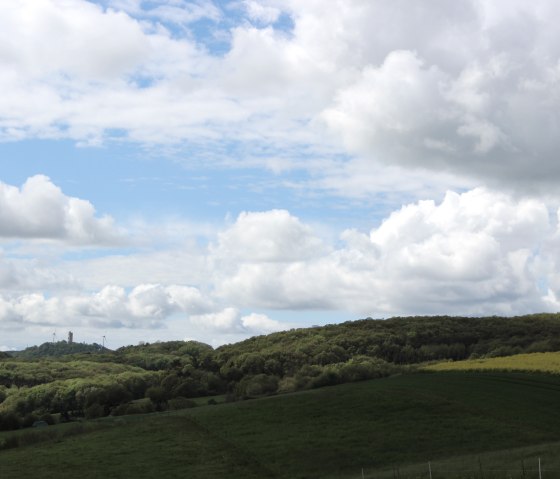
x,y
462,424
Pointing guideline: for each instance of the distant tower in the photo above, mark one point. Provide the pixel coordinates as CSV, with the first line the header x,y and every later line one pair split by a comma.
x,y
70,337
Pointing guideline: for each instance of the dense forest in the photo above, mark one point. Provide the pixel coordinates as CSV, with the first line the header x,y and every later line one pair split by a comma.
x,y
62,382
57,349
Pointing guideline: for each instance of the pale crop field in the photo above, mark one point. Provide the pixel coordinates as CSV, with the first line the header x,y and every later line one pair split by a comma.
x,y
534,362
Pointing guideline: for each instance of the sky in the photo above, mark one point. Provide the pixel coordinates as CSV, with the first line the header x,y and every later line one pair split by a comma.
x,y
218,169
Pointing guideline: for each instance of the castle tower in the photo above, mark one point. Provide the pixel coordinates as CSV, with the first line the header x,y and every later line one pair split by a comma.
x,y
70,337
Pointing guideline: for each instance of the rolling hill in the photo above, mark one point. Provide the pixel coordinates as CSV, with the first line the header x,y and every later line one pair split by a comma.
x,y
458,422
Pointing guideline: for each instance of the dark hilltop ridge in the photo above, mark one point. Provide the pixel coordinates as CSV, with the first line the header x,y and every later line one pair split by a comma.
x,y
398,339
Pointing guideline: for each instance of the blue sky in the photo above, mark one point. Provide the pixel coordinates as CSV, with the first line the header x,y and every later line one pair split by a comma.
x,y
213,170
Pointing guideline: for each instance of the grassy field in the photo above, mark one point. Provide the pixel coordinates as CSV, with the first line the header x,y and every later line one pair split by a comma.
x,y
535,362
459,422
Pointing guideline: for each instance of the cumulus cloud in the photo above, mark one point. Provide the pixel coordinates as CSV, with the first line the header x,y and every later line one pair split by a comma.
x,y
147,305
475,114
477,252
230,321
39,209
271,236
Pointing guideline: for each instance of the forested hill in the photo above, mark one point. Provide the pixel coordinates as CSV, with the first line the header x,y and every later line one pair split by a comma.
x,y
406,340
76,380
397,340
57,349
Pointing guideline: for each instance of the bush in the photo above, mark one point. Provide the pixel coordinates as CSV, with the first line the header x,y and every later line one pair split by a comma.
x,y
326,378
9,421
287,385
259,385
94,411
158,396
48,418
28,420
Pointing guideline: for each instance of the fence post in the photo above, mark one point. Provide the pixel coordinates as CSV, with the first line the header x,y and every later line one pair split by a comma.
x,y
430,469
540,474
480,468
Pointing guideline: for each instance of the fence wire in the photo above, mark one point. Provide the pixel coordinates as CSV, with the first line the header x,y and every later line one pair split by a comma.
x,y
433,471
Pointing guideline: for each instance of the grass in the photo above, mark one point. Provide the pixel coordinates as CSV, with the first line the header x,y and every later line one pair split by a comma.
x,y
150,446
334,432
451,419
535,362
518,463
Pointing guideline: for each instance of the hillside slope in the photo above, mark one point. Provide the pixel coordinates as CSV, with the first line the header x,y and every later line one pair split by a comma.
x,y
325,433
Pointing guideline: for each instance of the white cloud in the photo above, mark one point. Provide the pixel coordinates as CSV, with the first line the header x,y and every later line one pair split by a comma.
x,y
259,11
180,12
271,236
147,305
261,323
462,88
475,253
25,275
478,252
39,209
472,109
230,321
42,38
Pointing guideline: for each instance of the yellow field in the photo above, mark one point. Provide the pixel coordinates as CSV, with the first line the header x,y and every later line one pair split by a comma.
x,y
542,362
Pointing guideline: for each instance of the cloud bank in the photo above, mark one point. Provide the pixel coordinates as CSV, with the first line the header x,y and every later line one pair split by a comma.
x,y
467,88
477,252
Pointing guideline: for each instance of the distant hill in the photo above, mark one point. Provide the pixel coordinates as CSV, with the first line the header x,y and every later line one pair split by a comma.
x,y
403,340
57,349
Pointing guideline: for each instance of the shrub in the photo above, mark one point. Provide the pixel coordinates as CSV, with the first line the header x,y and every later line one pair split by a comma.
x,y
28,420
94,411
326,378
258,385
9,421
287,385
48,418
158,396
